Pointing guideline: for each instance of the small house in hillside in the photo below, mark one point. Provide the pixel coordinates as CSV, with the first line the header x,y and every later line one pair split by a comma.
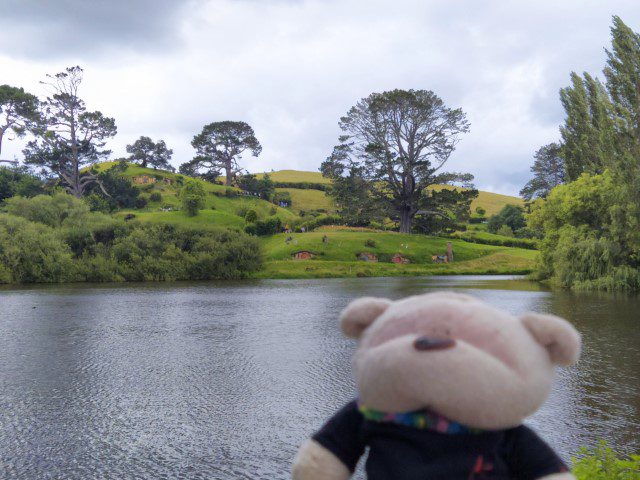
x,y
144,180
397,258
367,257
303,255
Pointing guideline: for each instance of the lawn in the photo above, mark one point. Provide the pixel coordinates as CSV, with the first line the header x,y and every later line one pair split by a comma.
x,y
307,199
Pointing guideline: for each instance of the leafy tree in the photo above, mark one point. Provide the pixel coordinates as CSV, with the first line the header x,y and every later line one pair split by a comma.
x,y
399,140
263,187
354,197
19,181
18,111
68,137
588,133
122,194
444,210
220,146
511,215
146,152
548,172
192,196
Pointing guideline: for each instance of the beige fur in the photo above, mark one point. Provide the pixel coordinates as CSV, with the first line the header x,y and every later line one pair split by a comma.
x,y
497,371
314,462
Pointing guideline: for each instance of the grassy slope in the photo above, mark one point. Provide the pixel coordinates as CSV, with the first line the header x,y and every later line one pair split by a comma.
x,y
491,202
338,257
307,200
218,211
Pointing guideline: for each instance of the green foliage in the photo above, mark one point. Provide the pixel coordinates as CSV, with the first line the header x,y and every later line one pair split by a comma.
x,y
251,216
511,216
370,243
55,211
505,231
602,463
219,147
67,136
18,111
319,221
268,226
155,197
192,196
492,239
146,152
548,171
283,198
19,181
396,141
481,211
31,252
588,230
83,246
262,187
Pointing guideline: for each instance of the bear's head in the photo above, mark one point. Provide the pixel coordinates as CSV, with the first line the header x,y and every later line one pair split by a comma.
x,y
457,356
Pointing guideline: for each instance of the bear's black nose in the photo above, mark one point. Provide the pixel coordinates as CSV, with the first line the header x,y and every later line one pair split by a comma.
x,y
426,343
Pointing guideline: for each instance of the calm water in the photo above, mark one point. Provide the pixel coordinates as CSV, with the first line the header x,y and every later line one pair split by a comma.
x,y
224,381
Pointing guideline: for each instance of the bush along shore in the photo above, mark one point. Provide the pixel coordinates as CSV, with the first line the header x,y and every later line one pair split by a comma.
x,y
57,239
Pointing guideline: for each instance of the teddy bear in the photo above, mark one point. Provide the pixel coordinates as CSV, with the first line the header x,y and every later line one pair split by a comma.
x,y
444,383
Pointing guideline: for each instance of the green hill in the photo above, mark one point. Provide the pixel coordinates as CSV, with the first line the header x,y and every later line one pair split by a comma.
x,y
337,255
306,200
220,209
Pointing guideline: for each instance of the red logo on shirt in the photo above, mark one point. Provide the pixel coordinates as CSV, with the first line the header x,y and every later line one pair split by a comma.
x,y
480,468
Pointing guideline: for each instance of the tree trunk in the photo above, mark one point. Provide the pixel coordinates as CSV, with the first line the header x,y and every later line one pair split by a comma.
x,y
406,219
227,180
1,135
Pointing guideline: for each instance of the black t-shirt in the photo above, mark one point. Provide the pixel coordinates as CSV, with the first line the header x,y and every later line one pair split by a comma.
x,y
398,452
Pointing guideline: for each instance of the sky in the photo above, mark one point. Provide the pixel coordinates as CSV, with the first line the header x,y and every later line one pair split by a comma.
x,y
292,68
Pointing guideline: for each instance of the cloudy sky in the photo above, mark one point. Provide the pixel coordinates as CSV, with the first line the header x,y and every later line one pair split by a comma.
x,y
291,68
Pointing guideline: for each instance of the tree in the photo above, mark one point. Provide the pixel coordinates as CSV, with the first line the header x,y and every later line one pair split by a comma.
x,y
511,215
68,137
192,195
19,181
220,146
444,209
354,197
588,133
400,139
122,193
548,171
146,152
18,111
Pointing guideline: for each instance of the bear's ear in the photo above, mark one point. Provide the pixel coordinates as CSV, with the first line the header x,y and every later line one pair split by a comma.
x,y
361,313
558,336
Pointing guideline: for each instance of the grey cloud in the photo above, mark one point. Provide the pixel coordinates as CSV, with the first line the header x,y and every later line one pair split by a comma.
x,y
84,28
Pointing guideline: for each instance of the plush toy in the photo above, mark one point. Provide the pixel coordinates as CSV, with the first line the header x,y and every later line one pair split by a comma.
x,y
444,383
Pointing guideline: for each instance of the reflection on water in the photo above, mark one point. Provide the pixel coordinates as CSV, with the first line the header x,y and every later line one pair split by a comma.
x,y
223,381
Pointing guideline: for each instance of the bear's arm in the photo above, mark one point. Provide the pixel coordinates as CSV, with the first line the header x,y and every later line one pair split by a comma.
x,y
530,458
334,451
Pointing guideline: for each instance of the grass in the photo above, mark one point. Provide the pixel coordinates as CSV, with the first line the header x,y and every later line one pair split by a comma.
x,y
306,200
338,257
296,176
205,217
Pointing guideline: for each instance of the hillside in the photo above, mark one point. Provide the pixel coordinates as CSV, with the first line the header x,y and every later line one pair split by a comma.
x,y
309,199
220,208
335,254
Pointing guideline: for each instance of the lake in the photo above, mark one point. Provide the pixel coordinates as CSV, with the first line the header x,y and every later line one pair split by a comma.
x,y
225,380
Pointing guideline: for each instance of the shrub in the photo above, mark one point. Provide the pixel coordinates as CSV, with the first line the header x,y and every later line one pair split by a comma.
x,y
140,202
268,226
505,231
510,215
370,243
155,197
192,196
319,221
52,210
251,216
602,463
273,211
481,211
230,192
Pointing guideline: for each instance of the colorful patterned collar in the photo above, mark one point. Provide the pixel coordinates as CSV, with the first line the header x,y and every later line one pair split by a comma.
x,y
421,419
